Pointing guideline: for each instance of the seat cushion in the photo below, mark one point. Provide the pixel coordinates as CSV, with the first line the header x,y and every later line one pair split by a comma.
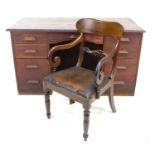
x,y
75,79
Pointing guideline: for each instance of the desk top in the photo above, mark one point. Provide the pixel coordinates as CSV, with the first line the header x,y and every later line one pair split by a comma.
x,y
65,24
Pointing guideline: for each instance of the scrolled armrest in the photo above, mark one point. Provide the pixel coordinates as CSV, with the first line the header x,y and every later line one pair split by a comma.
x,y
99,73
56,61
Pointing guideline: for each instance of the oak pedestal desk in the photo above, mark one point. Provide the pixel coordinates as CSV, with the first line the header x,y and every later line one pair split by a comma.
x,y
33,37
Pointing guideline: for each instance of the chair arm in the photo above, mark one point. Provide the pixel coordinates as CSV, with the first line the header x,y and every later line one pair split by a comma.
x,y
99,73
56,61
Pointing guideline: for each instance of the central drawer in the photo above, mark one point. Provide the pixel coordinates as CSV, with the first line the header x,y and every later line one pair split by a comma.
x,y
30,74
55,37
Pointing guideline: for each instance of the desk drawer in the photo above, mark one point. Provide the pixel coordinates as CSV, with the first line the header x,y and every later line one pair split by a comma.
x,y
29,37
126,76
131,39
127,51
97,39
30,73
129,46
120,88
126,67
60,37
31,50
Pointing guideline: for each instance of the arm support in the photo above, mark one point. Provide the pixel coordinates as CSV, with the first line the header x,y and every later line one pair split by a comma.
x,y
99,68
56,61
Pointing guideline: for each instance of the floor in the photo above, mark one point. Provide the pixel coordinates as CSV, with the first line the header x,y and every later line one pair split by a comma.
x,y
26,130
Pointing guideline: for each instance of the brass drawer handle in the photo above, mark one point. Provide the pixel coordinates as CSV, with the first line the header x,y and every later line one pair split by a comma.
x,y
123,52
33,82
32,66
125,39
72,36
121,67
29,38
30,51
119,82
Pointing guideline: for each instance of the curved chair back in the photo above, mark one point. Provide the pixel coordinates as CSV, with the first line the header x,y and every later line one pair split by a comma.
x,y
105,28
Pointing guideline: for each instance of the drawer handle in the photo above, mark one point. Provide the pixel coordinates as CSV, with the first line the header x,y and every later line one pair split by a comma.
x,y
121,67
72,36
29,38
119,82
31,66
31,51
123,52
32,81
125,39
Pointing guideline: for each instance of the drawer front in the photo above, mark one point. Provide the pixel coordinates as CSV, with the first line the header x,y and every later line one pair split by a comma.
x,y
97,39
131,39
60,37
127,69
31,51
126,76
121,89
127,51
30,74
29,37
129,46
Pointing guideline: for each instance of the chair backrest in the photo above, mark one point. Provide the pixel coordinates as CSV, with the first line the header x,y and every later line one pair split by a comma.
x,y
105,28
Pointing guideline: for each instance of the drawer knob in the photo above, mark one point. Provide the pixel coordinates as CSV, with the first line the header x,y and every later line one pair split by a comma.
x,y
123,52
119,82
31,66
30,51
72,36
121,67
29,38
32,81
125,39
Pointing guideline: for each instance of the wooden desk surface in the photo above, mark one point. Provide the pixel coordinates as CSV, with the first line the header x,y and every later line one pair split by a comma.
x,y
66,24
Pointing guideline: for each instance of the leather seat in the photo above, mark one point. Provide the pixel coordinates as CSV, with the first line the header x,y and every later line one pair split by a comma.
x,y
75,79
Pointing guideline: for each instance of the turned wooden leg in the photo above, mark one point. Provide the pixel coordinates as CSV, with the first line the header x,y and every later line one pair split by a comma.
x,y
111,99
71,101
86,122
47,103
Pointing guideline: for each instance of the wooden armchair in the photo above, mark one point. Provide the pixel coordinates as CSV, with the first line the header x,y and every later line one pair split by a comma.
x,y
81,84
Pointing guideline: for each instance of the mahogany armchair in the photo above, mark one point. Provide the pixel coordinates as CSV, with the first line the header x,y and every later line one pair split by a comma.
x,y
81,84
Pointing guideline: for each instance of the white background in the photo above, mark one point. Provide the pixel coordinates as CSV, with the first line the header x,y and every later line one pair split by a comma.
x,y
24,128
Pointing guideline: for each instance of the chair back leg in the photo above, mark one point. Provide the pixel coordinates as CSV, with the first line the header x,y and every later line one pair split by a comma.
x,y
111,99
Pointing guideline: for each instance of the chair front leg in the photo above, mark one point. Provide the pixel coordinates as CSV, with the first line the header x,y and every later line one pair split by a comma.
x,y
86,121
111,99
47,103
